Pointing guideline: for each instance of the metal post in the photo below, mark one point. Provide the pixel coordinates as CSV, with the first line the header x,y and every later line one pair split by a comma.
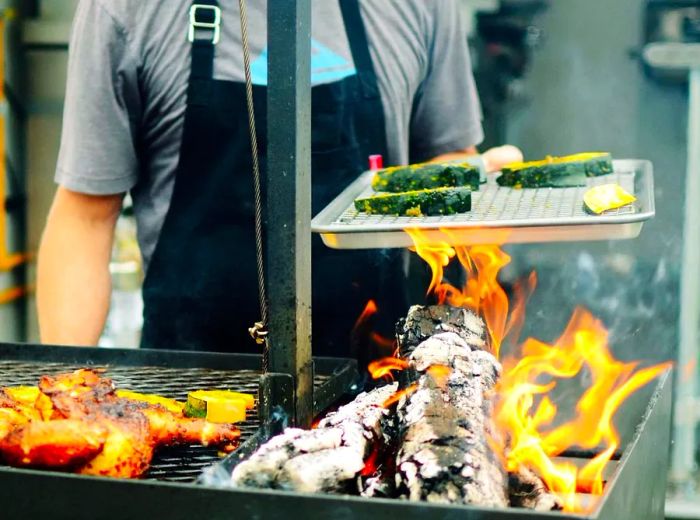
x,y
289,202
685,417
686,56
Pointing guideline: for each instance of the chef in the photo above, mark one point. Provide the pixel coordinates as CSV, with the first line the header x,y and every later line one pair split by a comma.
x,y
155,107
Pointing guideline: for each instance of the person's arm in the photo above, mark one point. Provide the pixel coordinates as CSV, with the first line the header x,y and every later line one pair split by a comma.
x,y
446,123
97,164
73,280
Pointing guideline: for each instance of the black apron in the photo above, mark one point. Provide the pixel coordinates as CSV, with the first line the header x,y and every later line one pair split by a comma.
x,y
200,291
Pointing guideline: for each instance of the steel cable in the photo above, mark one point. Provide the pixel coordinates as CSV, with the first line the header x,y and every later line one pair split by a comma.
x,y
259,330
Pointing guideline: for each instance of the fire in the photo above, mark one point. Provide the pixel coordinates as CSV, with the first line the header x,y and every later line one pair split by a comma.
x,y
440,374
363,328
384,367
411,389
369,311
526,413
481,293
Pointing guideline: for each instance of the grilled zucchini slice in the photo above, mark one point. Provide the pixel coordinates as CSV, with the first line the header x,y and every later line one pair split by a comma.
x,y
426,177
440,201
557,172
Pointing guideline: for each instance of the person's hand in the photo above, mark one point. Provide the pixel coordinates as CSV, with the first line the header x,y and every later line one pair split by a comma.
x,y
496,158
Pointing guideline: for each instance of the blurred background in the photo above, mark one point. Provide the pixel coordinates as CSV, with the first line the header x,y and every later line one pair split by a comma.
x,y
555,77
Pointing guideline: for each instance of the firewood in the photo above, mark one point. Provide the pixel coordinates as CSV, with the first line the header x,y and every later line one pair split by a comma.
x,y
422,323
528,491
445,452
326,459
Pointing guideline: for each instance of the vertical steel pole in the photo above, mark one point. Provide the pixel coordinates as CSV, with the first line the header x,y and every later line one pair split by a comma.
x,y
685,416
289,201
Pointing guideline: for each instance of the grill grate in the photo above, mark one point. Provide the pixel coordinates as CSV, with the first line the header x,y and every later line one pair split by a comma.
x,y
493,203
176,464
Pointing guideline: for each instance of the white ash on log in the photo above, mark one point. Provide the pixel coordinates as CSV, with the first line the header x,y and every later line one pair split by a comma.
x,y
422,323
445,426
326,459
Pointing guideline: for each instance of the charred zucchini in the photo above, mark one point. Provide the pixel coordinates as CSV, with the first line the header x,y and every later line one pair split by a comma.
x,y
556,172
426,177
440,201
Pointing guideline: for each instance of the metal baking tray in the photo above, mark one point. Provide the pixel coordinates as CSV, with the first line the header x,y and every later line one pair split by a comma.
x,y
498,216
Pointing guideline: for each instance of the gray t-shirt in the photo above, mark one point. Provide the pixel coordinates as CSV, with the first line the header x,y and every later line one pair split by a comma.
x,y
130,63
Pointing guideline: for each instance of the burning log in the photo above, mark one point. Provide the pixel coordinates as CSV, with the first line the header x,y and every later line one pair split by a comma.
x,y
422,323
445,453
326,459
528,491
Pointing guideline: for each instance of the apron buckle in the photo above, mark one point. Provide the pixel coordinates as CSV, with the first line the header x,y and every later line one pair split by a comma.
x,y
213,25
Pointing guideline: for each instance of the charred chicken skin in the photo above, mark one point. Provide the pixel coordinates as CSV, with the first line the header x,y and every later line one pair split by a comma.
x,y
76,421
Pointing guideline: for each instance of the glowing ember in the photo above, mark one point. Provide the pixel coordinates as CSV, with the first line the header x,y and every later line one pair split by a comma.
x,y
531,443
372,462
384,367
398,395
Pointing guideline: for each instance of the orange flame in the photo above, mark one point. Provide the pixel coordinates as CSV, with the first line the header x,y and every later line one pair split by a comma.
x,y
398,395
385,345
481,293
440,374
369,311
532,445
384,367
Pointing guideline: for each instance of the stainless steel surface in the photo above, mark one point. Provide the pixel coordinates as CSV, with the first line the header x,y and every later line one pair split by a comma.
x,y
503,215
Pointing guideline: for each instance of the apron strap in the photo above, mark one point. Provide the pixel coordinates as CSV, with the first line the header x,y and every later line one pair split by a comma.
x,y
204,33
359,46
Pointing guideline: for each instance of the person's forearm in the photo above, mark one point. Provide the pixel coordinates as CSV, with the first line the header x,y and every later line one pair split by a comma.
x,y
73,280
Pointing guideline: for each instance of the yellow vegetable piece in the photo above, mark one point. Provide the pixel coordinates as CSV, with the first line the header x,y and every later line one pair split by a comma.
x,y
169,404
198,397
26,395
225,411
606,197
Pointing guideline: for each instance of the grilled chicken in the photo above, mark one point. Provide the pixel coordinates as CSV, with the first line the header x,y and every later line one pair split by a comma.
x,y
76,421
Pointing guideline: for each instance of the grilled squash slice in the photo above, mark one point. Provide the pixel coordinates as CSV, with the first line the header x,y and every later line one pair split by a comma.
x,y
426,177
440,201
557,172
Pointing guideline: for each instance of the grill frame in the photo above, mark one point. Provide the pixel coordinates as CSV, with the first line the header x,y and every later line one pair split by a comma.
x,y
636,488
